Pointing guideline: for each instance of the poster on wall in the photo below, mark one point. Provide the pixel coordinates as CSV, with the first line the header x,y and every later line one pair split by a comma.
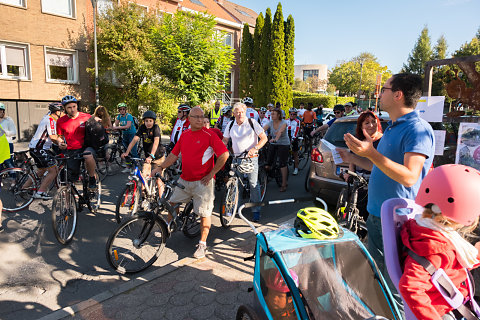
x,y
468,145
431,108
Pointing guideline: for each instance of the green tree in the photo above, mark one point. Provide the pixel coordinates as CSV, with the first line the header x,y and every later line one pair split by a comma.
x,y
345,76
246,63
440,76
191,56
257,47
277,62
125,55
421,53
265,74
289,59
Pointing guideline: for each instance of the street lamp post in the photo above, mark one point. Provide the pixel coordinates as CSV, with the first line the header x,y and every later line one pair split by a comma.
x,y
97,94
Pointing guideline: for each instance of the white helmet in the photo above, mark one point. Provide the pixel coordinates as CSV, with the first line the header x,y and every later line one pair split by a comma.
x,y
245,166
226,109
248,100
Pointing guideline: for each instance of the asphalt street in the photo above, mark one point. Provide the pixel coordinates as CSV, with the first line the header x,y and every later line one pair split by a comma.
x,y
38,275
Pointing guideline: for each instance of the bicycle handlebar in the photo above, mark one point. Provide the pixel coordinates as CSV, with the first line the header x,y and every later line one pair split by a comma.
x,y
75,156
356,176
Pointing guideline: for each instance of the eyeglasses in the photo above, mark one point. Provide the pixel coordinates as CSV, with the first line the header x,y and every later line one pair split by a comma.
x,y
385,88
337,112
197,117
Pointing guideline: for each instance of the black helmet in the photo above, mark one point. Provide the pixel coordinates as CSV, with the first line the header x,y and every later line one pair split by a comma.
x,y
55,106
149,114
339,107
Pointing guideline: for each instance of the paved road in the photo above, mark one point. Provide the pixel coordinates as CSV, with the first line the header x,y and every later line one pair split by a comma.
x,y
39,275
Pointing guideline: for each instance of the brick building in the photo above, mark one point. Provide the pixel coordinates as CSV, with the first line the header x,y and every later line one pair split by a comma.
x,y
43,50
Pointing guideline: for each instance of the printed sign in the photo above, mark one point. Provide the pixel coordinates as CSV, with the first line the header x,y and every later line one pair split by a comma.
x,y
431,108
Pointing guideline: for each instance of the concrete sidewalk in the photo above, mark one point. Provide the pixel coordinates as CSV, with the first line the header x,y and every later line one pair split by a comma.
x,y
209,288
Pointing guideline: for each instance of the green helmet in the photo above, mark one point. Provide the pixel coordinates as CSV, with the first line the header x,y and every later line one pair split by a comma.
x,y
121,105
2,106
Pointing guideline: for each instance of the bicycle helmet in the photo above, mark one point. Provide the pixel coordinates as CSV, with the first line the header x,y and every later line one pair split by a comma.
x,y
453,190
2,106
121,105
316,223
226,109
245,166
55,106
293,110
149,114
274,280
184,107
247,100
340,107
270,105
263,109
67,99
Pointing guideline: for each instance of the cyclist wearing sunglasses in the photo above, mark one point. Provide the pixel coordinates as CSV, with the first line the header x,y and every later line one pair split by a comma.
x,y
339,111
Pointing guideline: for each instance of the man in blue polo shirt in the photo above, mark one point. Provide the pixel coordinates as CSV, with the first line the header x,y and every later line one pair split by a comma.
x,y
401,160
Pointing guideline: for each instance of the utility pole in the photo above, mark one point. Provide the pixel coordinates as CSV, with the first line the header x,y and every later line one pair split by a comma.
x,y
97,94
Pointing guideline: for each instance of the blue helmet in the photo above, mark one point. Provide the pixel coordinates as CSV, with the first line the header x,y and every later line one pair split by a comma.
x,y
67,99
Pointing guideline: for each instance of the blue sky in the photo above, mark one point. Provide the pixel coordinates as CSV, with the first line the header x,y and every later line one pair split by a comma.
x,y
329,31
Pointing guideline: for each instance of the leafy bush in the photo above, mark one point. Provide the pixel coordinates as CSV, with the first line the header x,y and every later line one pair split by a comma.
x,y
317,99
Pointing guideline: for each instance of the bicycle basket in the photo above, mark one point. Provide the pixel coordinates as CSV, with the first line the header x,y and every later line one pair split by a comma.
x,y
245,166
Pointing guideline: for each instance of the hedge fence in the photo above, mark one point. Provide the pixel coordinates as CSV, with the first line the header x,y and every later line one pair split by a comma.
x,y
318,99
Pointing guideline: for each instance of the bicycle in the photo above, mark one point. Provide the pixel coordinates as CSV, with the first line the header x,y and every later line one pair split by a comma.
x,y
302,156
110,156
20,184
347,212
231,197
275,171
138,242
68,201
139,192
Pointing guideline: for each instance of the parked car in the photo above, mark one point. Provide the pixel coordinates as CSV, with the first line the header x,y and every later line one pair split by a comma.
x,y
327,115
322,180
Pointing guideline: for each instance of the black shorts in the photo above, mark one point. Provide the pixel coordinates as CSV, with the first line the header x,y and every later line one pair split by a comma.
x,y
295,146
43,158
308,129
281,152
73,165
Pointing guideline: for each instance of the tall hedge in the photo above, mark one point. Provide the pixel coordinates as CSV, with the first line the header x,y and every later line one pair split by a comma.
x,y
277,61
257,47
265,56
318,99
289,59
246,63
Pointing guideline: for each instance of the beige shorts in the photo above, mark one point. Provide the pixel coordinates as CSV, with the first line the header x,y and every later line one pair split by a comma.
x,y
202,196
148,167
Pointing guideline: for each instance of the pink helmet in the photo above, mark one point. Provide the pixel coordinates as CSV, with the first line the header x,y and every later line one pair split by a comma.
x,y
274,280
455,189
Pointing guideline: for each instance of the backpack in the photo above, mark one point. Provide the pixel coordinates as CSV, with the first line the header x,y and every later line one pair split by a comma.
x,y
249,121
136,123
95,134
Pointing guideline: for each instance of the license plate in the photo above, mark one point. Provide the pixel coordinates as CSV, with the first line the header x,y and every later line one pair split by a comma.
x,y
339,170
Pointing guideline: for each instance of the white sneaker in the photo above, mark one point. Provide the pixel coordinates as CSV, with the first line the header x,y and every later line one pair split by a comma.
x,y
295,171
126,170
201,251
41,195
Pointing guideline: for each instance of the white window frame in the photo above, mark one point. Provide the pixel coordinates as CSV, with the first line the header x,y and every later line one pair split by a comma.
x,y
74,9
23,6
75,64
140,5
232,37
27,61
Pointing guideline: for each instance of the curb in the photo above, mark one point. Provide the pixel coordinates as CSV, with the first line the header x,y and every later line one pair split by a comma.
x,y
136,282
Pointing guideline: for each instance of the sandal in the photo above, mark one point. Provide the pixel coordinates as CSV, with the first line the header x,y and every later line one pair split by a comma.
x,y
283,188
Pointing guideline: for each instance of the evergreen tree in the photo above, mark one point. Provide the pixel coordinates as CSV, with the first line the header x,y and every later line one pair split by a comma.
x,y
478,34
440,49
440,76
264,63
289,60
277,62
421,53
257,47
246,63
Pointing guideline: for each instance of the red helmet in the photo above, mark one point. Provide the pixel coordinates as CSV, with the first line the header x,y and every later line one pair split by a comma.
x,y
455,189
274,280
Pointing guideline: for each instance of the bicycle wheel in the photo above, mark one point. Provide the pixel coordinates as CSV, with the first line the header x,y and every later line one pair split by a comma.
x,y
262,182
356,224
191,222
277,173
229,203
136,243
95,196
303,158
246,312
64,215
116,157
18,187
102,169
127,202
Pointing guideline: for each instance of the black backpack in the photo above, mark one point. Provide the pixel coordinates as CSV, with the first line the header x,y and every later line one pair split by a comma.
x,y
95,134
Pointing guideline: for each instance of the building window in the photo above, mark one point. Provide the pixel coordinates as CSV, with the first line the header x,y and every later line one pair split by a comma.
x,y
197,2
103,6
244,13
59,7
14,61
228,40
61,65
143,8
18,3
309,74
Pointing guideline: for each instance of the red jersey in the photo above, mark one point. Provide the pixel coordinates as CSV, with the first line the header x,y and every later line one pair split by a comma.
x,y
197,149
73,130
217,132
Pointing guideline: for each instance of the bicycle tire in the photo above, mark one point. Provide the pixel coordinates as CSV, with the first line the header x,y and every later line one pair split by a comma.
x,y
341,203
94,197
191,223
229,203
127,202
356,225
136,244
102,169
302,160
245,312
64,215
13,197
262,182
117,157
306,184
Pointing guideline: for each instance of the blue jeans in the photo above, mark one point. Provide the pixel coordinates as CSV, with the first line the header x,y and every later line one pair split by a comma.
x,y
254,187
126,139
375,247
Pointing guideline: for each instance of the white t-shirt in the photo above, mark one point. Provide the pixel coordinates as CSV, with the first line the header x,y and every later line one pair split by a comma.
x,y
41,138
300,112
243,136
264,121
178,128
268,114
252,114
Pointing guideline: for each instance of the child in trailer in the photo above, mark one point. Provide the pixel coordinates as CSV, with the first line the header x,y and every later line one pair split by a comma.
x,y
450,196
278,298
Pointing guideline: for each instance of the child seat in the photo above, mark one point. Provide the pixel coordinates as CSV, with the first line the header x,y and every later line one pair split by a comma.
x,y
392,221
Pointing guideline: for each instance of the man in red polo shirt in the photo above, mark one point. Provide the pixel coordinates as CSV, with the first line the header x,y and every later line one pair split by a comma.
x,y
71,135
198,145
